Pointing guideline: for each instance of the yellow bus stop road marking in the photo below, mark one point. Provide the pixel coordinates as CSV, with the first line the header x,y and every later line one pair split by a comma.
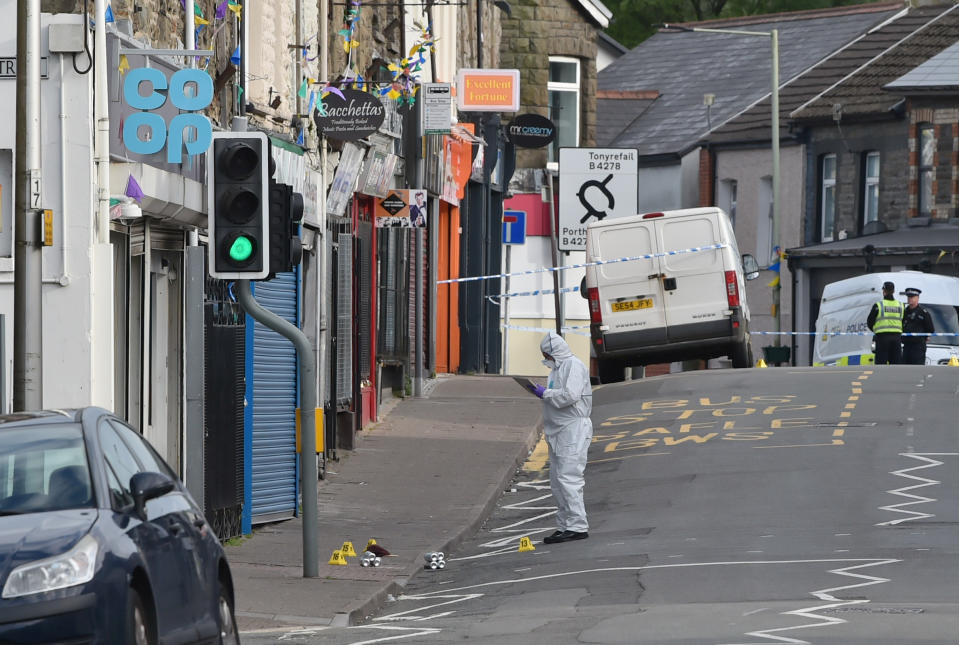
x,y
645,454
537,460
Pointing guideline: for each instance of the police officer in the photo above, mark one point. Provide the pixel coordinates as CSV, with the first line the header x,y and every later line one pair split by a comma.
x,y
885,321
916,320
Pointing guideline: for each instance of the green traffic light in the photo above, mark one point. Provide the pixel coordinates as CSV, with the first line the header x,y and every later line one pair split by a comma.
x,y
241,249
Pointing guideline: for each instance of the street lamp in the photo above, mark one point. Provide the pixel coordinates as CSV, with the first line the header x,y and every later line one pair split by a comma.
x,y
773,36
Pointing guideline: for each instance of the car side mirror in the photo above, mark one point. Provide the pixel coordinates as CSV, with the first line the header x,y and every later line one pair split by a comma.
x,y
582,289
147,486
750,267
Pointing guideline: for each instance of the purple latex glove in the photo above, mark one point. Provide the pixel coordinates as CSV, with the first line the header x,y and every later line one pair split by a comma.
x,y
538,390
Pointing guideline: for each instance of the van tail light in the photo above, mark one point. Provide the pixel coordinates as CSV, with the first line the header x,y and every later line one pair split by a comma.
x,y
732,289
595,314
653,215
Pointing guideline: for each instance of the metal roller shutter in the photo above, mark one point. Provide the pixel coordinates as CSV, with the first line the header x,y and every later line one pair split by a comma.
x,y
274,481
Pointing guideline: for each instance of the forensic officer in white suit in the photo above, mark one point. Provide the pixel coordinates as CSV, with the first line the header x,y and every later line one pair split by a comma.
x,y
567,404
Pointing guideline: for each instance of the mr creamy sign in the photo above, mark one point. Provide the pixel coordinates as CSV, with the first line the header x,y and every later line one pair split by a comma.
x,y
354,116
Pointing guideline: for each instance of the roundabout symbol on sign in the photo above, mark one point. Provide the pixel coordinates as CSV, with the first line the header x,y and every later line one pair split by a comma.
x,y
591,210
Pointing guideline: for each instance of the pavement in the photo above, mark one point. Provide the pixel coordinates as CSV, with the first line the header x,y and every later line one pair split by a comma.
x,y
422,479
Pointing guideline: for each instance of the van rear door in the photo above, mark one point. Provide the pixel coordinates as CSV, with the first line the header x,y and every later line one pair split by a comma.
x,y
694,283
630,293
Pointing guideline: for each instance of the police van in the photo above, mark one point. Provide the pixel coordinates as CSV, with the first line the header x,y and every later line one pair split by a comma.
x,y
676,307
845,305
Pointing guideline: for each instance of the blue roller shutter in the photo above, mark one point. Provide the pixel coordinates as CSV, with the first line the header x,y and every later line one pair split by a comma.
x,y
274,401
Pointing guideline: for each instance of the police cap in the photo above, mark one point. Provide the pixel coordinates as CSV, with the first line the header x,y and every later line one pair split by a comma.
x,y
912,291
888,286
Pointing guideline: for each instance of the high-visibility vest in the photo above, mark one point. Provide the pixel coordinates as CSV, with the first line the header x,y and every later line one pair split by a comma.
x,y
889,320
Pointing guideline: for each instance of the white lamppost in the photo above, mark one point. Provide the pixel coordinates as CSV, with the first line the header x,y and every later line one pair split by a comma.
x,y
773,36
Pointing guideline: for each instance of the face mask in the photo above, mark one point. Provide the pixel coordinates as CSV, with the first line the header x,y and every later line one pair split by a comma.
x,y
550,364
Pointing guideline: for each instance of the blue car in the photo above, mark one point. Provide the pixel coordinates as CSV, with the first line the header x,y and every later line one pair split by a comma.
x,y
99,540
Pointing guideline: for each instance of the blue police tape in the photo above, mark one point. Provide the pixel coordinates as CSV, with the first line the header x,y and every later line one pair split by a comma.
x,y
544,330
538,292
648,256
843,333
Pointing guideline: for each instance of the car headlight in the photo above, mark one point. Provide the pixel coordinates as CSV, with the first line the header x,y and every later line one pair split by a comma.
x,y
72,568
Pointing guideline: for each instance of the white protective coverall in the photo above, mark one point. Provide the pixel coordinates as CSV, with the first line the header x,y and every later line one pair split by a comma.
x,y
567,404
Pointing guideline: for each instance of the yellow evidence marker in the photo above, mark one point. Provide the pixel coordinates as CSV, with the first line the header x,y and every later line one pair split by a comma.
x,y
337,558
347,549
954,361
525,544
370,543
761,363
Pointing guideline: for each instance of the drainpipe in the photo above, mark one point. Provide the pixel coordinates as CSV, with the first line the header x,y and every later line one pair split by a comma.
x,y
102,117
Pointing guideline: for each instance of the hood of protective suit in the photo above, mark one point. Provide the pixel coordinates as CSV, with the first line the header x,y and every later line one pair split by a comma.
x,y
554,345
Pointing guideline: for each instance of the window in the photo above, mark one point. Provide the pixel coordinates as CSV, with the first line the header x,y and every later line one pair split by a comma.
x,y
827,200
927,151
764,223
121,465
728,195
563,103
43,468
870,197
144,452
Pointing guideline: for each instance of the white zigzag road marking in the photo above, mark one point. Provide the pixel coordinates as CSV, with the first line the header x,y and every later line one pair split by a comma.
x,y
904,492
404,632
405,615
811,612
769,634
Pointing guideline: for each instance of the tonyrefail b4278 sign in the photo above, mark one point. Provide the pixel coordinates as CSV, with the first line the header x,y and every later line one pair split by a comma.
x,y
354,116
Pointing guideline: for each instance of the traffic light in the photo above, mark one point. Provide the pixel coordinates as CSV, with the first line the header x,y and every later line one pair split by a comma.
x,y
286,211
238,193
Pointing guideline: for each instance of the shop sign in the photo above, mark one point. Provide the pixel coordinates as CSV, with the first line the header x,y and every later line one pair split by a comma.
x,y
402,208
531,131
487,90
354,116
351,161
189,90
377,173
437,108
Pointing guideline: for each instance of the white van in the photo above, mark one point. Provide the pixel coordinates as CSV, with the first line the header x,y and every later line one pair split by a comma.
x,y
845,305
672,308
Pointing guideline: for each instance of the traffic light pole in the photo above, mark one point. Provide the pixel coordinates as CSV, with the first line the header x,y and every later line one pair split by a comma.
x,y
308,476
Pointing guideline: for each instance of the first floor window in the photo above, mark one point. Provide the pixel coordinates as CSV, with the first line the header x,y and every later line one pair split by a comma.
x,y
927,155
827,200
870,198
564,88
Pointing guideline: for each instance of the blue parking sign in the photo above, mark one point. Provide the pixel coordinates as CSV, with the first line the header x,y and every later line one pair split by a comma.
x,y
514,227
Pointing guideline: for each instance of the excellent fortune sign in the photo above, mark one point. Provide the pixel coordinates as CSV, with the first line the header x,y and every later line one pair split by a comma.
x,y
488,90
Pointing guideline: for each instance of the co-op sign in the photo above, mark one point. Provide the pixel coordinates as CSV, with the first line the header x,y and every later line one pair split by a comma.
x,y
146,131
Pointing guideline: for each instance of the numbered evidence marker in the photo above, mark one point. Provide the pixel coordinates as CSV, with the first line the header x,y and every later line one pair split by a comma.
x,y
337,558
525,544
370,543
347,549
594,184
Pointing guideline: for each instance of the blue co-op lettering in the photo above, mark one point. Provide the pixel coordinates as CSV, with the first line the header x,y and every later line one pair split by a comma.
x,y
175,135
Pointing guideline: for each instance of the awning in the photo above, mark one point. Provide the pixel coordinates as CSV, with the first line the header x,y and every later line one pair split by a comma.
x,y
908,240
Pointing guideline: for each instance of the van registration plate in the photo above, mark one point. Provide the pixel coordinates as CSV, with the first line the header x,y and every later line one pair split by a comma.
x,y
632,305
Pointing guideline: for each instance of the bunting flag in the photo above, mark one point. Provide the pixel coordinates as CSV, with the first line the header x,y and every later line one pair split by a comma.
x,y
942,254
133,189
302,92
108,15
200,20
235,56
221,10
309,109
235,8
302,136
197,10
124,65
775,267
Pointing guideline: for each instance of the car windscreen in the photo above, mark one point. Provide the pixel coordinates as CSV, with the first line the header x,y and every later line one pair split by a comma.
x,y
946,320
43,468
